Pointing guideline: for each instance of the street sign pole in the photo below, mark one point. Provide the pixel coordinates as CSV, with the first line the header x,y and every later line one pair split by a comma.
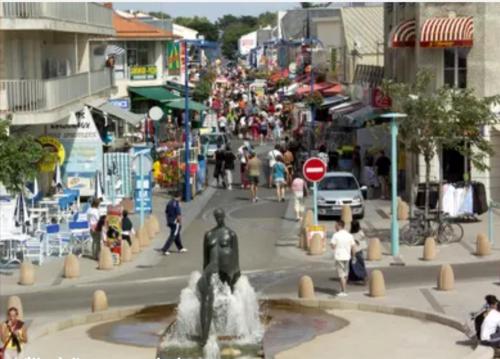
x,y
314,170
315,200
141,167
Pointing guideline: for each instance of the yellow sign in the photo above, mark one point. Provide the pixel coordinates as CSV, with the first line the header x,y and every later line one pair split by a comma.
x,y
147,72
55,152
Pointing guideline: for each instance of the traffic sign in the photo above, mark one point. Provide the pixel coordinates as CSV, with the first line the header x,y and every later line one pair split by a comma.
x,y
314,169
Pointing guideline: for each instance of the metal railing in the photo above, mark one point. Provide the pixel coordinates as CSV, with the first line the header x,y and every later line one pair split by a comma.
x,y
42,95
83,13
100,80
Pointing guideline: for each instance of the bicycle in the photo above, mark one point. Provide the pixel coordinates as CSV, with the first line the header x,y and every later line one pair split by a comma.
x,y
441,227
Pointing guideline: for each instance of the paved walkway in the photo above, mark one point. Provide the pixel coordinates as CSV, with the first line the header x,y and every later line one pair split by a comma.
x,y
50,274
377,224
380,336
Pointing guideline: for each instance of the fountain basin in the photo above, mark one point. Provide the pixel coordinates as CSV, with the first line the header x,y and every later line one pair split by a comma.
x,y
287,324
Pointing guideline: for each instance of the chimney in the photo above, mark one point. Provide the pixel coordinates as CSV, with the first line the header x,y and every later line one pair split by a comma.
x,y
108,5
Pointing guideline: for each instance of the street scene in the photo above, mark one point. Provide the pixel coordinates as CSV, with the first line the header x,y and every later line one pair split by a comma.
x,y
188,180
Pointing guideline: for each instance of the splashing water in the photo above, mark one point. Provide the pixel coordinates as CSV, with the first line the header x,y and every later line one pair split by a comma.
x,y
235,316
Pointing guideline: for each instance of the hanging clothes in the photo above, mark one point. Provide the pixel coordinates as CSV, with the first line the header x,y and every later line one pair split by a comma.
x,y
480,203
467,207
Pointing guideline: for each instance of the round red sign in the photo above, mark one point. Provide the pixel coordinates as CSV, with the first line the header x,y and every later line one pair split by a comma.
x,y
314,169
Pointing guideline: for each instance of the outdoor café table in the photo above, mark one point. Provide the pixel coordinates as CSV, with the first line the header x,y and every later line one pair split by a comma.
x,y
50,203
11,239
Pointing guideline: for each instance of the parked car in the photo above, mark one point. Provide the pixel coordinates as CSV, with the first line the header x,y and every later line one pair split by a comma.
x,y
337,189
212,141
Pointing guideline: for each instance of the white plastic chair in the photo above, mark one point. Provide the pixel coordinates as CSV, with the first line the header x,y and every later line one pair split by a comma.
x,y
33,250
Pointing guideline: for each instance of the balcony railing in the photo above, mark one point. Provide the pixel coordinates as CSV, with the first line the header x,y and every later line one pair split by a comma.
x,y
82,13
46,95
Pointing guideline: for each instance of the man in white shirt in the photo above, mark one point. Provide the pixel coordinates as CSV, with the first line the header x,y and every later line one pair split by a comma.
x,y
343,246
93,216
490,334
272,156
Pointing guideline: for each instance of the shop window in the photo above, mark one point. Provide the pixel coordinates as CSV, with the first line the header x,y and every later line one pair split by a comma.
x,y
455,67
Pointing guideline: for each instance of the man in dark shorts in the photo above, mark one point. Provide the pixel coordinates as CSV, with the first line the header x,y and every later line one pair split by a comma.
x,y
254,167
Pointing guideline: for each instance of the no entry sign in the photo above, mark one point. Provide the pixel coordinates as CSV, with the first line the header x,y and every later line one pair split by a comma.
x,y
314,169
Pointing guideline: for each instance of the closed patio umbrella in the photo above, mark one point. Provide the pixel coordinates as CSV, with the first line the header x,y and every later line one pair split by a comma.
x,y
57,180
20,211
98,191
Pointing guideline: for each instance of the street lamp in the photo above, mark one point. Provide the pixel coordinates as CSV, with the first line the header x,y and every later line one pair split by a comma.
x,y
187,174
394,180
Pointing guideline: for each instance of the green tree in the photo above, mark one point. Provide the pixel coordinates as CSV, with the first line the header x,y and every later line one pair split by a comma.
x,y
160,14
267,18
201,24
444,118
19,156
230,38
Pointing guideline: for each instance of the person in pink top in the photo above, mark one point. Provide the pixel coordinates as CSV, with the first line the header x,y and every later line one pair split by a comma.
x,y
299,189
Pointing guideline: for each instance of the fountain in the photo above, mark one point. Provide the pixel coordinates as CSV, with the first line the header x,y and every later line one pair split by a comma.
x,y
218,311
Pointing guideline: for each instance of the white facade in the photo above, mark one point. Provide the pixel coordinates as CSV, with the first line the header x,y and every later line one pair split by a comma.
x,y
49,65
247,42
184,32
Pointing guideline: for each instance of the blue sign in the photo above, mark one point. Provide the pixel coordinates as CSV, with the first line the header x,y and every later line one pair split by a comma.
x,y
123,103
147,192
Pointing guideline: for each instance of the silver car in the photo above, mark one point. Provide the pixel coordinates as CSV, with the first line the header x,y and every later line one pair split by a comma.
x,y
210,141
337,189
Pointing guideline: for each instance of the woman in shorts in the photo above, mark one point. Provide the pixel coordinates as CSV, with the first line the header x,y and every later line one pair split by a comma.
x,y
280,174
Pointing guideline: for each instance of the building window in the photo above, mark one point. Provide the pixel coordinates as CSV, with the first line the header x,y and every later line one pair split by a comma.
x,y
455,67
140,53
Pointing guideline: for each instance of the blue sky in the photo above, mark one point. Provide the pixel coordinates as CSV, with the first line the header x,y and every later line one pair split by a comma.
x,y
212,10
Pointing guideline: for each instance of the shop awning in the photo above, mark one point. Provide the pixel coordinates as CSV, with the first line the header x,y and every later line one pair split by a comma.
x,y
359,117
447,32
156,93
333,101
132,118
344,108
180,105
404,34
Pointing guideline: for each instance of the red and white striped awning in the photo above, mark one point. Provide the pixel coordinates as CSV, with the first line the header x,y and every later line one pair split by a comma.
x,y
403,35
447,32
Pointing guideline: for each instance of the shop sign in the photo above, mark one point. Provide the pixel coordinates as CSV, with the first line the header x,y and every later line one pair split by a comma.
x,y
380,100
123,103
55,153
147,72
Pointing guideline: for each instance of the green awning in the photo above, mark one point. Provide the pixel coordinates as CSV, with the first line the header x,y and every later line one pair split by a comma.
x,y
180,105
156,93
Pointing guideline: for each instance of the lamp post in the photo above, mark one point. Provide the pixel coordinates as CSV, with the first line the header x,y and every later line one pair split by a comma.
x,y
187,173
394,180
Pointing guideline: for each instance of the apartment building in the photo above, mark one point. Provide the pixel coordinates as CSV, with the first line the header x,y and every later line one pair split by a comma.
x,y
457,42
50,64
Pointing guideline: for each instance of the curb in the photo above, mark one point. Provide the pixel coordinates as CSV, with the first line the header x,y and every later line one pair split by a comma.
x,y
480,352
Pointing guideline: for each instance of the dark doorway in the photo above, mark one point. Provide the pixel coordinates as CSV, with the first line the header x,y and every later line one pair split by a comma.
x,y
454,166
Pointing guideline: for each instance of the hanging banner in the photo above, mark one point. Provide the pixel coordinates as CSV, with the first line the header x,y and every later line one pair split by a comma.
x,y
173,58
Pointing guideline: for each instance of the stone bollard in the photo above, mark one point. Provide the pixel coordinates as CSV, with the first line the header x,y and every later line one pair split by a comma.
x,y
376,284
429,249
346,214
27,274
306,288
446,278
126,255
105,259
308,219
71,267
155,223
15,302
316,246
136,247
99,301
143,236
303,239
374,252
403,210
483,245
150,228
